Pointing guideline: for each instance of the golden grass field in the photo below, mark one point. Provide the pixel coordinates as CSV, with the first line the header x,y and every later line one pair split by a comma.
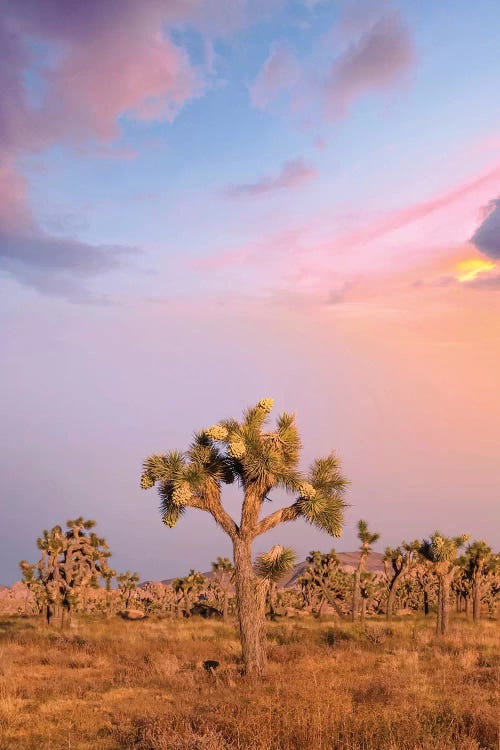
x,y
113,684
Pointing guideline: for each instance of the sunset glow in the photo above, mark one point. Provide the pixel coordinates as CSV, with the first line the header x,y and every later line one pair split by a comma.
x,y
468,270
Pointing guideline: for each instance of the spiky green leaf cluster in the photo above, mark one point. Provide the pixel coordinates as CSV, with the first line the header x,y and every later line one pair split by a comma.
x,y
171,513
192,583
275,563
222,564
439,548
365,536
146,482
325,508
265,459
325,570
180,477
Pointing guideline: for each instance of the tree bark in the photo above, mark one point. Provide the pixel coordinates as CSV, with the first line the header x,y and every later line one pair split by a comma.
x,y
390,600
426,602
356,595
476,596
251,609
445,604
439,619
331,601
225,602
321,607
363,609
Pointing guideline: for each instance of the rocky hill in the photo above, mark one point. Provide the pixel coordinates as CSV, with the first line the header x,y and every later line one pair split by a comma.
x,y
349,561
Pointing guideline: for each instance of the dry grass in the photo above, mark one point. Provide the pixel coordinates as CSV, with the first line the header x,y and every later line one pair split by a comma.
x,y
116,685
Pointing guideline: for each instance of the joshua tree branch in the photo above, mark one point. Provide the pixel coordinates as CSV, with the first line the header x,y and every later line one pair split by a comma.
x,y
290,513
214,507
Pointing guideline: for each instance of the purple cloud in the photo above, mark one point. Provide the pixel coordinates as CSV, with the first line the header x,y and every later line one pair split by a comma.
x,y
487,236
292,174
370,51
56,265
375,62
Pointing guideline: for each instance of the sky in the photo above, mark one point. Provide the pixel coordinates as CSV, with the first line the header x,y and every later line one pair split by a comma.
x,y
207,202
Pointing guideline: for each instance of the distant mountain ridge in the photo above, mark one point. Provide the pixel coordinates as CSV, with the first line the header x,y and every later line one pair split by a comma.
x,y
348,560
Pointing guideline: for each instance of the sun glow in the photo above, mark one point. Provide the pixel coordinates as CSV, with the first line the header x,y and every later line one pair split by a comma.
x,y
468,270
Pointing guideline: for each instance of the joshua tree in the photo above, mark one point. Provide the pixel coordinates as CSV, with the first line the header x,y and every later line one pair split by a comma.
x,y
476,563
34,585
259,460
324,580
127,584
157,598
396,562
461,585
71,561
442,551
187,588
492,588
367,539
369,586
223,570
108,574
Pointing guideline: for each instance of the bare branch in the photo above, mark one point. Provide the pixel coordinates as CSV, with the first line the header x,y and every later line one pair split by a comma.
x,y
290,513
214,506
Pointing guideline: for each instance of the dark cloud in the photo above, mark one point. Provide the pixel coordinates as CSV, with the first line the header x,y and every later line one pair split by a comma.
x,y
58,266
487,237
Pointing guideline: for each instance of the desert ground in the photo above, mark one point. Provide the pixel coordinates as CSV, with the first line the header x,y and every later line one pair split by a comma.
x,y
112,684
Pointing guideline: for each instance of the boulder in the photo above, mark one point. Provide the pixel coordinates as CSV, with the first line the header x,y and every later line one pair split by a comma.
x,y
132,614
204,610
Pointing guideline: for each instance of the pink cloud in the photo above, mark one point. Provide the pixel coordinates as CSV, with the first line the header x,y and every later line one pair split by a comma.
x,y
317,259
292,174
374,62
14,212
399,219
279,72
94,62
365,52
272,247
110,60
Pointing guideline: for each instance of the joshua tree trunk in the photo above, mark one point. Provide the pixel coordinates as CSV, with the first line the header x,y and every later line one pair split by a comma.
x,y
321,607
251,609
363,609
476,596
390,600
356,594
439,621
443,608
445,604
331,601
187,605
426,602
